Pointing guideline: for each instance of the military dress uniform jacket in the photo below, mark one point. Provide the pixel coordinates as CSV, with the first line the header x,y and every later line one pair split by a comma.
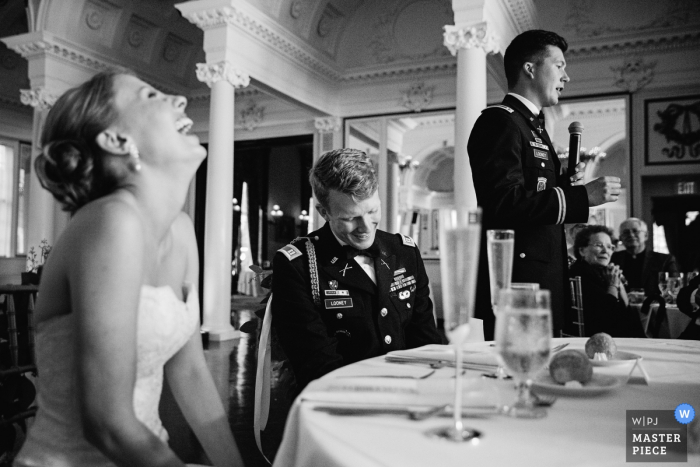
x,y
654,263
351,319
519,186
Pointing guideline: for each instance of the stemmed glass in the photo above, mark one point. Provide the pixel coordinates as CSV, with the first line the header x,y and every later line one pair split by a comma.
x,y
663,283
523,342
673,286
460,234
499,248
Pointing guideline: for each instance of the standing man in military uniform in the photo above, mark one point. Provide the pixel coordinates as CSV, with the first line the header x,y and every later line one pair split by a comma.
x,y
517,174
348,291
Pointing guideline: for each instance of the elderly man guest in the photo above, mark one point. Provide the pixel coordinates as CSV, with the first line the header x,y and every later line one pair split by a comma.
x,y
348,291
641,267
517,174
604,297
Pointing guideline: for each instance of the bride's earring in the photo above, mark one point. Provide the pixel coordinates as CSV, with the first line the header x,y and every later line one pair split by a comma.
x,y
134,158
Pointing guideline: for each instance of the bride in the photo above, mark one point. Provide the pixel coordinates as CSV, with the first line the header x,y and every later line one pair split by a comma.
x,y
117,308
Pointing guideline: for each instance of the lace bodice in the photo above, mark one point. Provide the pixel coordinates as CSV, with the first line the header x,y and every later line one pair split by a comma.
x,y
55,439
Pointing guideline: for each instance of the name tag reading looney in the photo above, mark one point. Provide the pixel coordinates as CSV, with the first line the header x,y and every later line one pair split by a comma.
x,y
333,303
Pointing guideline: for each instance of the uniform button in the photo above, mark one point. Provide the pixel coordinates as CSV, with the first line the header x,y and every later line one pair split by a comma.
x,y
522,255
339,316
383,312
387,339
542,164
408,305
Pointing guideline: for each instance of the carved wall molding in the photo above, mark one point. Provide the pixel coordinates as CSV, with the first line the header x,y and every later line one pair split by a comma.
x,y
39,98
687,40
456,38
231,15
211,73
45,46
328,124
252,115
633,74
417,97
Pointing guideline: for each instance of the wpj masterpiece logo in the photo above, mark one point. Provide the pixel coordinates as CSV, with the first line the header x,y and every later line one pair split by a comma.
x,y
658,435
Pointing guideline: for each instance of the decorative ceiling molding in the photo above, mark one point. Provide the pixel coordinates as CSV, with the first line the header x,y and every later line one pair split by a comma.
x,y
45,44
327,124
633,74
252,115
582,19
689,40
447,67
523,13
234,16
417,97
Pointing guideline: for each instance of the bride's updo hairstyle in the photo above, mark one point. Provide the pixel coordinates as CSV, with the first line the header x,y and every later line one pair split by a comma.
x,y
72,166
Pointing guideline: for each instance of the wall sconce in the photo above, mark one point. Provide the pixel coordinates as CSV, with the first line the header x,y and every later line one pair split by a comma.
x,y
304,216
276,211
236,207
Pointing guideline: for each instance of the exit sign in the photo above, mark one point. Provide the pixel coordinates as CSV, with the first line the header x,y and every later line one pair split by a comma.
x,y
686,188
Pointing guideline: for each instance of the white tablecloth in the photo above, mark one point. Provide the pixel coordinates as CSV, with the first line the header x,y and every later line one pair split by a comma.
x,y
248,284
578,431
676,321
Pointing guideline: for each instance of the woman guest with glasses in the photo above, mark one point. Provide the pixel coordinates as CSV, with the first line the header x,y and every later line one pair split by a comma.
x,y
605,303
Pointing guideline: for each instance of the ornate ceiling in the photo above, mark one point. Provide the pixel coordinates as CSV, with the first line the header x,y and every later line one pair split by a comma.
x,y
349,40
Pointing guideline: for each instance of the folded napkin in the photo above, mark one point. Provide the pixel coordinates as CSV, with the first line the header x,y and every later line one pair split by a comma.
x,y
434,353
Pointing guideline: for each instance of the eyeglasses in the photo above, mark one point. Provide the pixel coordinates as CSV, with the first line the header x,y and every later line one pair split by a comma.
x,y
628,232
600,246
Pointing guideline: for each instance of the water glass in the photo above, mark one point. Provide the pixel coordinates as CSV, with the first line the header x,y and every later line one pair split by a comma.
x,y
523,342
460,238
663,282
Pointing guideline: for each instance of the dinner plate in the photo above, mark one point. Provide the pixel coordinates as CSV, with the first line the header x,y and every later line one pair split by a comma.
x,y
621,358
599,384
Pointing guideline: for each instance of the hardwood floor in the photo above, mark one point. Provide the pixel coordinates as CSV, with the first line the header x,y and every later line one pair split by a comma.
x,y
233,365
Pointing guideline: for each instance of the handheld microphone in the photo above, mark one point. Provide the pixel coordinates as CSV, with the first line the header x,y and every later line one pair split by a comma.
x,y
575,130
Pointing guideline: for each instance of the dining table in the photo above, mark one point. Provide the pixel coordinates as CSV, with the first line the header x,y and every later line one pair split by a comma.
x,y
673,325
364,414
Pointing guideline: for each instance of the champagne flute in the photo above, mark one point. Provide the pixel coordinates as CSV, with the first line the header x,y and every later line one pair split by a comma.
x,y
674,285
523,342
460,234
499,248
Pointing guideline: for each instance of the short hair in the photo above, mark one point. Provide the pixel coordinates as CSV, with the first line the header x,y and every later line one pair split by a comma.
x,y
72,165
349,171
583,237
634,219
530,46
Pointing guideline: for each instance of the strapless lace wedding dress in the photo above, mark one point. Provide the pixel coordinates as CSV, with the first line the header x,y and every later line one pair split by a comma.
x,y
165,323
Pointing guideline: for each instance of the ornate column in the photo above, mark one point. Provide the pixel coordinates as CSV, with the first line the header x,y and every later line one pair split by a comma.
x,y
42,205
470,44
223,79
328,136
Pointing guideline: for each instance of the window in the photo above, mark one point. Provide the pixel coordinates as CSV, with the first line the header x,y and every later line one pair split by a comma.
x,y
15,164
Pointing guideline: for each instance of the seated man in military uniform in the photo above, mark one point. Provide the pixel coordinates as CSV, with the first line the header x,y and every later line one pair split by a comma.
x,y
348,291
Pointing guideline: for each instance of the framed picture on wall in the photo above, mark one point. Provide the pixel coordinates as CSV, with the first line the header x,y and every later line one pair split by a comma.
x,y
672,130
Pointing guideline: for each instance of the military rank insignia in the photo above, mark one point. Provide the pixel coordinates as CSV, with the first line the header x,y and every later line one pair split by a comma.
x,y
408,241
290,251
541,183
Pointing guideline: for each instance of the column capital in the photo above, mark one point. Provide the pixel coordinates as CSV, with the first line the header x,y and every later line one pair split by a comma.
x,y
469,37
327,124
39,98
210,73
